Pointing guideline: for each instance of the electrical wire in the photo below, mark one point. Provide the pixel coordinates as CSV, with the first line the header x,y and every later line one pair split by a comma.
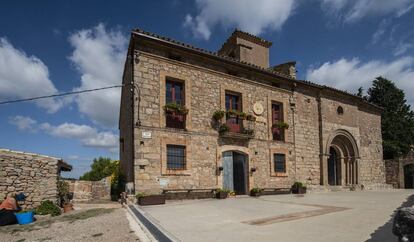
x,y
59,94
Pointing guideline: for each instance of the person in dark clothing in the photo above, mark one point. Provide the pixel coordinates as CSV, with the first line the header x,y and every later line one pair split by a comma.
x,y
8,207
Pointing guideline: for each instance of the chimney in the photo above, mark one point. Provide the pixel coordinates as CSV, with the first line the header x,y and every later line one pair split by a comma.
x,y
248,48
288,68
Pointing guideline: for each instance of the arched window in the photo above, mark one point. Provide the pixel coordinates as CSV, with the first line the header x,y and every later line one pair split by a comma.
x,y
340,110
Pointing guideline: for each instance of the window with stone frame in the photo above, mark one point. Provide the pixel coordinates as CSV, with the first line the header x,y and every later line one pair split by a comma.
x,y
279,163
233,102
174,94
277,116
176,157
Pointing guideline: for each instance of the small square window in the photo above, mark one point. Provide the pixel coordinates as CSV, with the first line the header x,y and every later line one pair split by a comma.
x,y
279,163
176,159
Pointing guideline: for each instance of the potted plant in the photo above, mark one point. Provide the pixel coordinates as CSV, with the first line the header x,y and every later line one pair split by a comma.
x,y
155,199
250,117
255,192
63,190
248,131
280,125
24,216
218,115
232,113
175,108
221,193
224,128
298,188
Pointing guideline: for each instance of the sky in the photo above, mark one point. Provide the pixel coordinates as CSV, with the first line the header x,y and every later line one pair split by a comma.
x,y
50,47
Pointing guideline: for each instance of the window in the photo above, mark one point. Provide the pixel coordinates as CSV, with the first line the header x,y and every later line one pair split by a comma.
x,y
176,157
233,102
340,110
279,163
277,116
175,94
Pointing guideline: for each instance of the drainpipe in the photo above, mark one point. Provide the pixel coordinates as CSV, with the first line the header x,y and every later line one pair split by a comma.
x,y
321,153
293,108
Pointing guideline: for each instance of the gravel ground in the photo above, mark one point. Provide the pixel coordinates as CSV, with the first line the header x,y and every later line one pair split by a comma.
x,y
87,224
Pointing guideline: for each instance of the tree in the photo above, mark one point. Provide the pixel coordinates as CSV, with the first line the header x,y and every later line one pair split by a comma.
x,y
100,168
397,118
360,92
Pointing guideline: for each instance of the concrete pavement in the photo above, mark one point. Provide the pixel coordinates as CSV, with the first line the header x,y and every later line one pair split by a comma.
x,y
331,216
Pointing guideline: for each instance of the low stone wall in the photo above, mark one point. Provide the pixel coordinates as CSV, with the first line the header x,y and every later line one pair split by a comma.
x,y
84,191
392,169
34,175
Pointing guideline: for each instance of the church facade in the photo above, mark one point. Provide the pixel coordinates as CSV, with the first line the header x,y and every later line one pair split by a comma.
x,y
195,119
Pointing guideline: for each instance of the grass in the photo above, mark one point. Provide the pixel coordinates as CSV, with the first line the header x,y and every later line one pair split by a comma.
x,y
70,218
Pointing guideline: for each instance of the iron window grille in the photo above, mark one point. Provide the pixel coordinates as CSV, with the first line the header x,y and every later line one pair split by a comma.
x,y
176,157
279,163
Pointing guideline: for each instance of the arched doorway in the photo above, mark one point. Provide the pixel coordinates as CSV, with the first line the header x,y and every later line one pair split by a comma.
x,y
334,168
409,176
341,165
235,172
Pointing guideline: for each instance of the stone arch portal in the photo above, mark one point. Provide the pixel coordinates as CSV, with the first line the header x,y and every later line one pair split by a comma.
x,y
340,164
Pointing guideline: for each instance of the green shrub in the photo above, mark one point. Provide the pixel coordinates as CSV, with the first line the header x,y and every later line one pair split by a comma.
x,y
297,185
224,128
48,207
218,115
140,194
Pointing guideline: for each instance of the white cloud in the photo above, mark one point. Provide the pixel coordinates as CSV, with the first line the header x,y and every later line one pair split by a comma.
x,y
23,76
87,135
99,55
354,10
23,123
251,16
350,74
402,48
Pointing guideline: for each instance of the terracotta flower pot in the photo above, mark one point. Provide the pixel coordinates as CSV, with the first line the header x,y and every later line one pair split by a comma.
x,y
67,207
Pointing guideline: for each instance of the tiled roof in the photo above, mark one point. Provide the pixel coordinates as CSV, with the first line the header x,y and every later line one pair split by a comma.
x,y
168,40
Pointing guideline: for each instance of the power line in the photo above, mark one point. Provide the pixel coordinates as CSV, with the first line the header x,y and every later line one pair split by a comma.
x,y
59,94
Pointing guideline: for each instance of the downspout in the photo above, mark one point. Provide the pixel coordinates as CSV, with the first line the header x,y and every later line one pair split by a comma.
x,y
293,108
321,153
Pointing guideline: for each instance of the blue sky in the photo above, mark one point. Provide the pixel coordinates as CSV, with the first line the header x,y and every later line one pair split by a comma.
x,y
49,47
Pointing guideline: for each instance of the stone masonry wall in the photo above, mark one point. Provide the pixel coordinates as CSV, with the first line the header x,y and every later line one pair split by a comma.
x,y
34,175
204,92
90,190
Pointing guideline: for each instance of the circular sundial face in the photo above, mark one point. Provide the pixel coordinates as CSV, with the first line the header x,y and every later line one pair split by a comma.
x,y
258,108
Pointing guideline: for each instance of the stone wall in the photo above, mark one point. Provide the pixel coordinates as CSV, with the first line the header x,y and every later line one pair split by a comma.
x,y
392,173
84,191
34,175
311,114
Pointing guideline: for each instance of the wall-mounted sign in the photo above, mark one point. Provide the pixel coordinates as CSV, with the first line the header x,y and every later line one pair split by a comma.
x,y
146,134
163,182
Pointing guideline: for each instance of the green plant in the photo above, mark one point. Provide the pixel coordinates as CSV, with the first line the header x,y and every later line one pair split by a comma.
x,y
176,108
63,191
223,190
248,131
224,128
140,194
236,113
255,190
280,125
297,185
250,117
218,115
48,207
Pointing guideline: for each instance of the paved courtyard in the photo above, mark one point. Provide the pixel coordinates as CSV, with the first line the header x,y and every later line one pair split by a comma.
x,y
332,216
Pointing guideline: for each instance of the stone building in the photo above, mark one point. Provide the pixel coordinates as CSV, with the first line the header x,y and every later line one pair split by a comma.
x,y
400,172
196,119
33,174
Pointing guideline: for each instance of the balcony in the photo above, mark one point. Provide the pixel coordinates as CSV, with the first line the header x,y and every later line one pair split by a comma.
x,y
234,127
175,120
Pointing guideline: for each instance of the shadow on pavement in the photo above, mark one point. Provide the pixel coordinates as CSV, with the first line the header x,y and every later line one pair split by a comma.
x,y
384,233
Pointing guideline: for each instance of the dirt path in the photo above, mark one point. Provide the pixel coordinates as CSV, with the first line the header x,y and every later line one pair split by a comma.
x,y
95,224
